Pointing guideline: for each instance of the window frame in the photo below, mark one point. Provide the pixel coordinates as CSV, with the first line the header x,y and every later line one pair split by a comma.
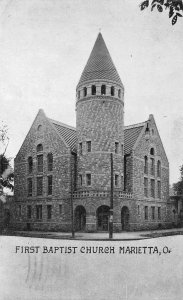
x,y
88,179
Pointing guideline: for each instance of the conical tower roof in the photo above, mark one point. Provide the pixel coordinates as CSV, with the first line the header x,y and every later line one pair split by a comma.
x,y
100,65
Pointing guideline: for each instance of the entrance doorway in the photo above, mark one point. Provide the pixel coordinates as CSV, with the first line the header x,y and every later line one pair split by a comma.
x,y
80,218
125,215
103,218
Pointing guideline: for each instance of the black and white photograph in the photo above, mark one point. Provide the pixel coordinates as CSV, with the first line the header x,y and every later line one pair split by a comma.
x,y
91,149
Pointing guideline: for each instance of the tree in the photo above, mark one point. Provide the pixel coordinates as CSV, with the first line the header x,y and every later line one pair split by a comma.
x,y
6,171
174,7
178,187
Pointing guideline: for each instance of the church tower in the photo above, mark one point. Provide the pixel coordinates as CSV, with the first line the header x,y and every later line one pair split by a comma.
x,y
99,121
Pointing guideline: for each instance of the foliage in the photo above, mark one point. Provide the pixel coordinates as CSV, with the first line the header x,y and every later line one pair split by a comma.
x,y
178,187
6,171
174,7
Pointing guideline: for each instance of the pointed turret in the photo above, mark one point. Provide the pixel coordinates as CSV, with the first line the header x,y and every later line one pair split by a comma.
x,y
100,65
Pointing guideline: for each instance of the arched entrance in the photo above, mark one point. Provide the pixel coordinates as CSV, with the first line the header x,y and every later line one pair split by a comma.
x,y
80,218
103,218
125,215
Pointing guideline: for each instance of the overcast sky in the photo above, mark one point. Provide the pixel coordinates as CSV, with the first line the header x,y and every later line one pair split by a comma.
x,y
44,46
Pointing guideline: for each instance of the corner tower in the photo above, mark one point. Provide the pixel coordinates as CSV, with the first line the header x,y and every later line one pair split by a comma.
x,y
99,121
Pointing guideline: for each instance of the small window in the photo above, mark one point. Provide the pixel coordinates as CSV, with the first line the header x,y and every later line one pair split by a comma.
x,y
159,189
80,180
145,165
116,180
39,186
159,168
60,210
30,164
112,90
103,89
152,166
29,185
39,128
40,163
39,148
85,91
50,161
38,212
153,212
122,150
50,181
159,213
122,182
153,188
145,187
19,210
93,89
78,94
29,212
80,149
152,151
88,179
119,93
138,208
146,212
116,147
88,145
49,212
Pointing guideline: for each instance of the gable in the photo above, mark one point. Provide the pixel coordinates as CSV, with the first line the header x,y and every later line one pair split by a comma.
x,y
131,134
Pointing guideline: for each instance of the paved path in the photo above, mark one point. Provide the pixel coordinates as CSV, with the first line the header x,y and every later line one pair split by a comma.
x,y
136,235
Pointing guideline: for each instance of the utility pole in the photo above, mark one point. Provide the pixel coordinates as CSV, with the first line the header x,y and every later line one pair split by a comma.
x,y
111,202
72,208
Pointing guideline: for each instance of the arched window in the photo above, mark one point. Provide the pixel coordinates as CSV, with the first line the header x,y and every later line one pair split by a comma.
x,y
103,89
39,128
145,165
159,168
119,93
39,148
112,90
50,161
152,151
30,164
85,91
93,90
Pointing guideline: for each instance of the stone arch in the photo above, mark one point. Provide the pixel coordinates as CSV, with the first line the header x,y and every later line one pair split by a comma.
x,y
103,218
80,218
125,216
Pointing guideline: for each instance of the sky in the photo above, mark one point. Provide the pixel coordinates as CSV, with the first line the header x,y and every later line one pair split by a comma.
x,y
45,44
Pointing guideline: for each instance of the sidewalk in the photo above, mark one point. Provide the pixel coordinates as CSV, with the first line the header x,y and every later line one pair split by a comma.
x,y
135,235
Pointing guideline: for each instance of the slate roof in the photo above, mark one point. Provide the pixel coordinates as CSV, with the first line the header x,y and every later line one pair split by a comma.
x,y
131,134
68,133
100,65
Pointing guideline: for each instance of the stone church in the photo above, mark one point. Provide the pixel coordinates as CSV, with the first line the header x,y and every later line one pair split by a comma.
x,y
59,165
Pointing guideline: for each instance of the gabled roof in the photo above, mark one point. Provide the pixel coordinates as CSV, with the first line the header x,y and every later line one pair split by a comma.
x,y
131,133
68,133
100,65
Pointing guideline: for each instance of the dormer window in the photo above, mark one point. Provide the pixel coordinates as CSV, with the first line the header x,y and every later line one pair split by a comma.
x,y
85,91
103,89
112,90
93,89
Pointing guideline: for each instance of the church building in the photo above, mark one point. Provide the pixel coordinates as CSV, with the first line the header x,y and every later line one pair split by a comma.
x,y
60,169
